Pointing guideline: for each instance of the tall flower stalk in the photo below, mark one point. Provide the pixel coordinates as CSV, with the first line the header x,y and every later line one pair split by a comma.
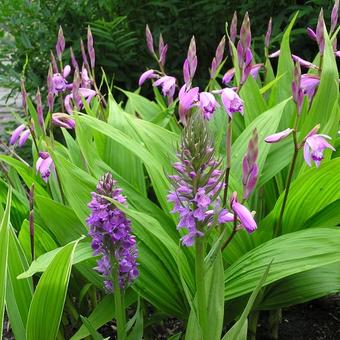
x,y
111,235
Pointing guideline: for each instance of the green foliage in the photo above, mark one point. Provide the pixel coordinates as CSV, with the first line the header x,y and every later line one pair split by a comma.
x,y
135,140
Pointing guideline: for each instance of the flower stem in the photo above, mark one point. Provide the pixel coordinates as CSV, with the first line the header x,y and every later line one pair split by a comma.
x,y
278,226
228,165
119,306
233,233
200,286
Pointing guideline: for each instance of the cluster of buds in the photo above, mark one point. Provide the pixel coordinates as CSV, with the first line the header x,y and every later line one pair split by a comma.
x,y
111,235
79,89
244,54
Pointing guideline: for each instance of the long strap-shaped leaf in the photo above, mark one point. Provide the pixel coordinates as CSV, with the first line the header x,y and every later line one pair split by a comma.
x,y
4,237
48,301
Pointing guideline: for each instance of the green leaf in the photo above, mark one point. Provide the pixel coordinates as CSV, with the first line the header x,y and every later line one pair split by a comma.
x,y
292,253
19,293
309,194
239,329
82,252
103,313
94,334
159,180
215,300
49,297
43,241
4,240
303,287
254,103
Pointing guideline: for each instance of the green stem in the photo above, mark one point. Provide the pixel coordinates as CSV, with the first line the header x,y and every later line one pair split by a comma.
x,y
119,306
278,226
233,233
228,165
200,287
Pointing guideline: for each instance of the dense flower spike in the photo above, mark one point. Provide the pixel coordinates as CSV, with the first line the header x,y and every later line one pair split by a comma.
x,y
249,166
231,101
20,135
197,183
44,165
314,146
111,235
244,216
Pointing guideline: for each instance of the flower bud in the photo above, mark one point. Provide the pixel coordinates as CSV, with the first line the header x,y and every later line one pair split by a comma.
x,y
320,33
90,48
268,34
233,28
276,137
23,95
334,16
60,46
149,39
73,59
40,112
83,53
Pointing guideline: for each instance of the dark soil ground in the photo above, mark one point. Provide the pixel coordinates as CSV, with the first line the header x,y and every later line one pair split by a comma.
x,y
316,320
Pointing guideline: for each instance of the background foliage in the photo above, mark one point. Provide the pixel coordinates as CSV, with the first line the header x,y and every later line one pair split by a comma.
x,y
29,28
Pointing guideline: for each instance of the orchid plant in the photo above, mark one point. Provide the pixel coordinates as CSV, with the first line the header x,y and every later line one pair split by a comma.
x,y
184,206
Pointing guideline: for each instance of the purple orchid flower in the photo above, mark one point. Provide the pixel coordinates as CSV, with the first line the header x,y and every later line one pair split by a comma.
x,y
149,74
296,58
88,94
63,120
231,101
20,135
207,104
228,76
244,216
59,82
276,137
187,99
44,165
168,85
314,147
309,84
